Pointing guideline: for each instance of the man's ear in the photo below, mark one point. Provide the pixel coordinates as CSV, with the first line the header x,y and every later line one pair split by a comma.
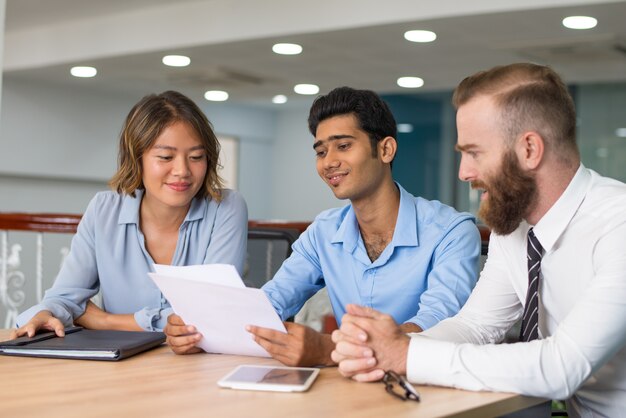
x,y
387,148
530,149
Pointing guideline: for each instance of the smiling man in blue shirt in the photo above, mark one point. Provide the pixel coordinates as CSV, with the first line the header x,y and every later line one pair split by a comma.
x,y
412,258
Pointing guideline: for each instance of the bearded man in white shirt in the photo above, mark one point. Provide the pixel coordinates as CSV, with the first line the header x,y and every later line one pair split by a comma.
x,y
516,134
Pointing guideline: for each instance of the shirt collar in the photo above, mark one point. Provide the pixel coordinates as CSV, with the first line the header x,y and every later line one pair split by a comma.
x,y
405,233
129,214
553,223
197,209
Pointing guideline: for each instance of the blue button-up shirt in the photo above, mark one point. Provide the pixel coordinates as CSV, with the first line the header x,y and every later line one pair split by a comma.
x,y
425,274
108,253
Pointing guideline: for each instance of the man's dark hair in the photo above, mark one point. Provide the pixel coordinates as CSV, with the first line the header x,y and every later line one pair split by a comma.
x,y
371,112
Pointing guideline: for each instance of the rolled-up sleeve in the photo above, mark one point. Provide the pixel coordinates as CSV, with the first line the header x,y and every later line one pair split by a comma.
x,y
153,319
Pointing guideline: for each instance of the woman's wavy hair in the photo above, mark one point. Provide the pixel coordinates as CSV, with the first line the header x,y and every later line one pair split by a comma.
x,y
145,122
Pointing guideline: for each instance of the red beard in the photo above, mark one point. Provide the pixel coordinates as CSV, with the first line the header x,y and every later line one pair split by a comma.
x,y
511,193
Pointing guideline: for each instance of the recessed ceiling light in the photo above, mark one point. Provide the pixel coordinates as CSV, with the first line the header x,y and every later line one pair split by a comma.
x,y
83,72
176,60
405,128
216,95
621,132
410,82
306,89
287,49
279,99
580,22
420,36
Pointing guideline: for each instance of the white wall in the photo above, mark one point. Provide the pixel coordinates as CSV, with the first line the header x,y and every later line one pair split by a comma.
x,y
52,131
298,192
37,194
255,128
58,146
2,17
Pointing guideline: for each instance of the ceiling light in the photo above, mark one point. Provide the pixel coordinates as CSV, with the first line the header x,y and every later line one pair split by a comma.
x,y
287,49
306,89
410,82
83,72
216,95
405,128
279,99
420,36
176,60
621,132
580,22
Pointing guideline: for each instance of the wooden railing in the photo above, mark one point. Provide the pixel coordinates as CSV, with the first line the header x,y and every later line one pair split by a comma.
x,y
485,233
67,223
299,226
39,222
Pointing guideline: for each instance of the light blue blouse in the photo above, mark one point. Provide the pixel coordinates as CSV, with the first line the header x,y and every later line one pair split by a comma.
x,y
108,253
424,275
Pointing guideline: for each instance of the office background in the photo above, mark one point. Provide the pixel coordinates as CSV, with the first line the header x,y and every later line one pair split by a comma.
x,y
58,134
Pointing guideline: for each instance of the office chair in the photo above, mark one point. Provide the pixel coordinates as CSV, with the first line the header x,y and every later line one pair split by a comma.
x,y
267,249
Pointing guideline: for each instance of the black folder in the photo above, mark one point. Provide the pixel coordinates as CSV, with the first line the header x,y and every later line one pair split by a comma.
x,y
84,344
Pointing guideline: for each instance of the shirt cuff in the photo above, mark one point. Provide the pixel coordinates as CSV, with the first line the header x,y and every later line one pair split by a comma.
x,y
149,318
57,311
428,360
424,321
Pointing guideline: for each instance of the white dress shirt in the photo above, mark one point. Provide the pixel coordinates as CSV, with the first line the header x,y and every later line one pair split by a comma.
x,y
582,314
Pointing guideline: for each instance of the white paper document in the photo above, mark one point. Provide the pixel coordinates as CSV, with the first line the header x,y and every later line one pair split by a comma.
x,y
213,298
224,274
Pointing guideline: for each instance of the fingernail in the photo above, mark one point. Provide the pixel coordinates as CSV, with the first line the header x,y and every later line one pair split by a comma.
x,y
191,328
362,337
371,361
368,353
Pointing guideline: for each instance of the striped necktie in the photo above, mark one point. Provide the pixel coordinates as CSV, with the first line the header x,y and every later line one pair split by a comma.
x,y
530,319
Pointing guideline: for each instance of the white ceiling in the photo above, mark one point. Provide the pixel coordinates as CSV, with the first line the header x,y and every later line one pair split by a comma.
x,y
26,14
366,56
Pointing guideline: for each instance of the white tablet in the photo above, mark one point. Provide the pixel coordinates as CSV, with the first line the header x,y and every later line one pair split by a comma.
x,y
273,378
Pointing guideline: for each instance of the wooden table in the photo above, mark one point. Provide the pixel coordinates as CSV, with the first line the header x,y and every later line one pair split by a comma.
x,y
159,383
